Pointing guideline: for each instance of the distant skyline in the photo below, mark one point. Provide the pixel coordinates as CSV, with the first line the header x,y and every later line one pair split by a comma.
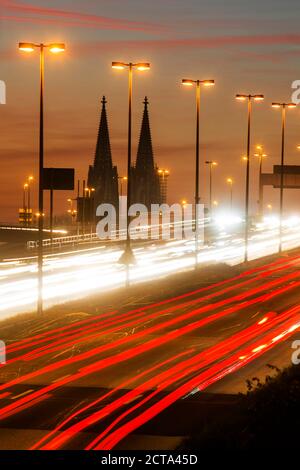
x,y
246,47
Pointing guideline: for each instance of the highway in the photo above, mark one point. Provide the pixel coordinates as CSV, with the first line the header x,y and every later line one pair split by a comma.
x,y
77,274
91,384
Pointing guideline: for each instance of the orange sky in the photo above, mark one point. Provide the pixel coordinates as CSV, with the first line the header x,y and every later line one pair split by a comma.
x,y
241,51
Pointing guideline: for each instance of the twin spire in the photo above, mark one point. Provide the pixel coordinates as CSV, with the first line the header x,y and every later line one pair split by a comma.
x,y
145,159
103,148
103,155
103,176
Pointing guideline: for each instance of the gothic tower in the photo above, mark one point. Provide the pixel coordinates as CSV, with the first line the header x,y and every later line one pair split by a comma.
x,y
103,176
145,184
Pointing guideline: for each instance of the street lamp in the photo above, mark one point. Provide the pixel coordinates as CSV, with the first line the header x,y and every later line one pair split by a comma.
x,y
88,193
54,48
25,190
261,155
30,180
211,165
230,183
72,211
197,83
248,98
184,203
127,257
283,107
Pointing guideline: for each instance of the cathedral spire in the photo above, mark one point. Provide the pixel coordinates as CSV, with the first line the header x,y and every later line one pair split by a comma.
x,y
146,184
103,149
103,176
145,159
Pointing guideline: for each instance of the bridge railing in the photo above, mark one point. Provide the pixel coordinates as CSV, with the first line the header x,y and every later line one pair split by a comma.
x,y
116,235
63,241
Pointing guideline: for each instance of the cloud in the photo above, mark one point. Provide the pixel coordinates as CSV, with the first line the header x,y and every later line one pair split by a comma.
x,y
202,42
71,18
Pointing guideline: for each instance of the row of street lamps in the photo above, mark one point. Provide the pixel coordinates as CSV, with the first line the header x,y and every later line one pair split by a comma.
x,y
249,98
128,256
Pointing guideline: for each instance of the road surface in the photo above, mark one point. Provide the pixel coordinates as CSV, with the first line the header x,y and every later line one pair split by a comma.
x,y
81,273
94,383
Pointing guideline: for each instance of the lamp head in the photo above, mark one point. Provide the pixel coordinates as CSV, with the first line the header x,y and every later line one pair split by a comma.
x,y
57,48
143,66
187,82
118,65
26,47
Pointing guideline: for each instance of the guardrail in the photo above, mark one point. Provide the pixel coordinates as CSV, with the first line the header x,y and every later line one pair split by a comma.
x,y
64,241
115,236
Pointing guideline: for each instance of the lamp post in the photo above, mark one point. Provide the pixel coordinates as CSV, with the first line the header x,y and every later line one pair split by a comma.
x,y
25,190
24,196
211,165
54,48
197,83
89,192
284,107
72,211
127,257
248,98
30,180
230,182
261,155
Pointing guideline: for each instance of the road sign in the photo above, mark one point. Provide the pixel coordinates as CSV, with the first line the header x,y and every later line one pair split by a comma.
x,y
58,179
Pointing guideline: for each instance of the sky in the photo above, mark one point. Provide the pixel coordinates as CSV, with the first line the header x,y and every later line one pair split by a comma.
x,y
247,47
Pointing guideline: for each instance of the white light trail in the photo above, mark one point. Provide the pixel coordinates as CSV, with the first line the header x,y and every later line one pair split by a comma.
x,y
74,275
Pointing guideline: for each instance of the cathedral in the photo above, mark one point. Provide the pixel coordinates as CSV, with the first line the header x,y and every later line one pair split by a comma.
x,y
145,178
103,175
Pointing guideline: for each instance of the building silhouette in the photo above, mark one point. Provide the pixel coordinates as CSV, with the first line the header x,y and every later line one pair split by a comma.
x,y
103,175
148,184
146,188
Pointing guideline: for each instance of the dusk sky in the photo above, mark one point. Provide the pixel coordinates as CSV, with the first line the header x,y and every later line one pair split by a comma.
x,y
245,46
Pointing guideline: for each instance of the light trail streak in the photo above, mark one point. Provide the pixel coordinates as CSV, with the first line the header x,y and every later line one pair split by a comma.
x,y
201,381
135,351
257,348
204,359
160,382
138,318
74,276
59,332
110,393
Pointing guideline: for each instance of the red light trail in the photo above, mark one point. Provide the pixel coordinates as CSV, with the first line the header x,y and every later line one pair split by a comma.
x,y
188,313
